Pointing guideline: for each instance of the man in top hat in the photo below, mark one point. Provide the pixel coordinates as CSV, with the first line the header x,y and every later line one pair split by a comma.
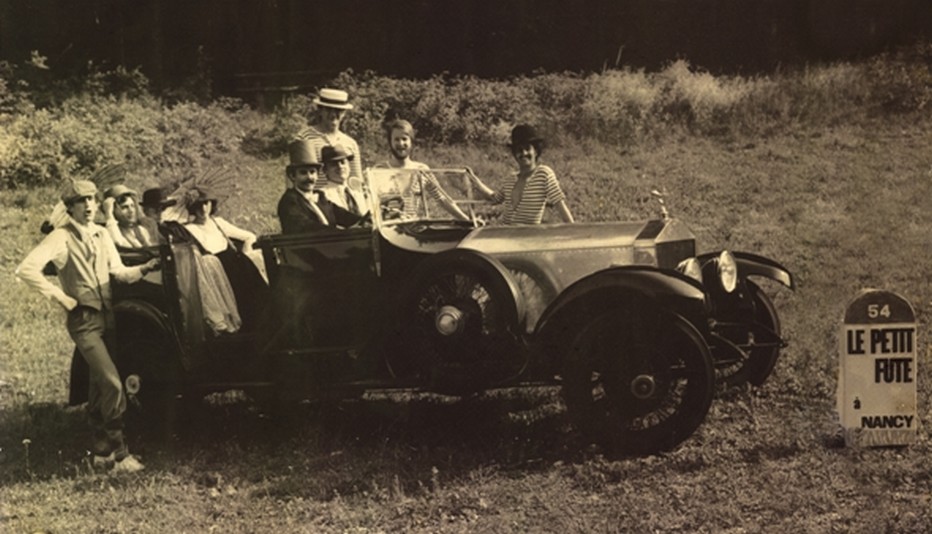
x,y
533,188
332,105
86,259
336,168
301,208
124,221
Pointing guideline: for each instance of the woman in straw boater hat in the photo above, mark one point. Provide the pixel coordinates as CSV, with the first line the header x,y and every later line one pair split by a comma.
x,y
332,105
533,188
86,259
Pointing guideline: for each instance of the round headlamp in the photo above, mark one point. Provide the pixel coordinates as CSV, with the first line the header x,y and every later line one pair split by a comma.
x,y
691,268
727,271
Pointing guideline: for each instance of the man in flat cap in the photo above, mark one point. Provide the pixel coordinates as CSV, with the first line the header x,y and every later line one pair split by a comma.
x,y
86,258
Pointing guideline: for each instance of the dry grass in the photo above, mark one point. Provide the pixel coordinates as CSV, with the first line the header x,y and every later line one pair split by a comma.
x,y
843,207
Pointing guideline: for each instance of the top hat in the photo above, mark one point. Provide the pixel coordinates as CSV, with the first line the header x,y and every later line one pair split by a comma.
x,y
76,189
302,153
330,154
333,98
153,198
524,134
119,191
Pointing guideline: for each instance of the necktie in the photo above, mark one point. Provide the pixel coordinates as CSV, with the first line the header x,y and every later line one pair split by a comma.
x,y
350,201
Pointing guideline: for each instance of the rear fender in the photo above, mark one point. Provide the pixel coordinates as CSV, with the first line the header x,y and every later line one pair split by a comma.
x,y
138,317
636,288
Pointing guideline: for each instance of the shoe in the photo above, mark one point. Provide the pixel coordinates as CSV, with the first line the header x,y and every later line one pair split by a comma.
x,y
103,462
128,465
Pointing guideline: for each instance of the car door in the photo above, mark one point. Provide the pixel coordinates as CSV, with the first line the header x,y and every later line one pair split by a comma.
x,y
324,290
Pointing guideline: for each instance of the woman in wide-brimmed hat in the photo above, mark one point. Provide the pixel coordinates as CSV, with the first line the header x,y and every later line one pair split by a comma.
x,y
533,188
214,236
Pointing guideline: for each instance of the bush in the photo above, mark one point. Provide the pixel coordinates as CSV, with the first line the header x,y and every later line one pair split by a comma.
x,y
58,128
88,132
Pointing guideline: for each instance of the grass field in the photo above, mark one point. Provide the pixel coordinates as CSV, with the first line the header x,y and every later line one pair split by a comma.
x,y
844,207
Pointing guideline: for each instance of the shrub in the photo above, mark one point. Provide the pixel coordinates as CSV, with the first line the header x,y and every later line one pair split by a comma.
x,y
57,128
618,105
88,132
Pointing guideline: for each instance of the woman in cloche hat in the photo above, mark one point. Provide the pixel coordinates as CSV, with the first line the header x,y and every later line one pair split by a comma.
x,y
532,188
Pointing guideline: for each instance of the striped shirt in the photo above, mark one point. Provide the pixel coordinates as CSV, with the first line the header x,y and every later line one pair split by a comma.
x,y
320,140
413,197
541,189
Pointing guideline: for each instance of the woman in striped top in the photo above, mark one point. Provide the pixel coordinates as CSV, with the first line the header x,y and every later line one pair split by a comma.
x,y
533,187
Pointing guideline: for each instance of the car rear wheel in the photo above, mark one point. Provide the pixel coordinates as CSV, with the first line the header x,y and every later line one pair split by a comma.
x,y
458,325
638,381
152,381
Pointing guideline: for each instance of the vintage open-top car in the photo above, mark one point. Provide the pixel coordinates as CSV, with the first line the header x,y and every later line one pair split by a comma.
x,y
625,317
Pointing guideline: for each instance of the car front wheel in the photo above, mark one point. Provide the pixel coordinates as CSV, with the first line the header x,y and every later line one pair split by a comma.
x,y
638,381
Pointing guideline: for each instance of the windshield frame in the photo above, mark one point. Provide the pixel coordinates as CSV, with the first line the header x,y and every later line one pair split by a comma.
x,y
379,192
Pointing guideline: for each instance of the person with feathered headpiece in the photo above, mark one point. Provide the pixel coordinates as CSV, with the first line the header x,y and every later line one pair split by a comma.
x,y
215,237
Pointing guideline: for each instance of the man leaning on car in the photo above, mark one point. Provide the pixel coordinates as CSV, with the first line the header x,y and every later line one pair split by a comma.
x,y
86,259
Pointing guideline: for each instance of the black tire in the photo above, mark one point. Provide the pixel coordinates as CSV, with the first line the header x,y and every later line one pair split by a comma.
x,y
638,381
482,352
761,360
151,371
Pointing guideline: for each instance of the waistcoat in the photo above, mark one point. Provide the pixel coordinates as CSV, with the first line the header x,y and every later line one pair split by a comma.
x,y
86,275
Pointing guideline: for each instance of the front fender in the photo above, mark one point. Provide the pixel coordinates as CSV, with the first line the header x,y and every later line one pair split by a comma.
x,y
670,289
748,265
631,287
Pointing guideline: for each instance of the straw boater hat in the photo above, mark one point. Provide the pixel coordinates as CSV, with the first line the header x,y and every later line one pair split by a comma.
x,y
333,98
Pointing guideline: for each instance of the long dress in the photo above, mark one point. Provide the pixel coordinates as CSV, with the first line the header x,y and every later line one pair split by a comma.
x,y
217,298
249,287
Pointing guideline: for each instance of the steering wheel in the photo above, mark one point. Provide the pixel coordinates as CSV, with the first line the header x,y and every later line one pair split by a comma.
x,y
393,207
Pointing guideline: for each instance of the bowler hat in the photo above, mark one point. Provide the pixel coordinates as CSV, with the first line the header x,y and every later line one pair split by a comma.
x,y
330,154
302,153
333,98
153,198
119,191
525,134
76,189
